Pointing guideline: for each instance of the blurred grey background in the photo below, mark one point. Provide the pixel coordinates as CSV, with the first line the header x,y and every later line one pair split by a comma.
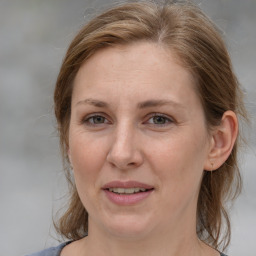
x,y
34,35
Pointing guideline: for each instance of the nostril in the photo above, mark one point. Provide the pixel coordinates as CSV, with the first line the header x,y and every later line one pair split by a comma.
x,y
124,159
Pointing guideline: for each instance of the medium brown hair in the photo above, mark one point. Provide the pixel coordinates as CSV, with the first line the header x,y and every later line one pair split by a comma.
x,y
186,31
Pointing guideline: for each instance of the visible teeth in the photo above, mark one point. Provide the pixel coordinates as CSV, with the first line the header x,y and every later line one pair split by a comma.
x,y
126,190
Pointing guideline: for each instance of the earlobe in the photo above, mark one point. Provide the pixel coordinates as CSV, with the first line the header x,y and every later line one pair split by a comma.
x,y
222,141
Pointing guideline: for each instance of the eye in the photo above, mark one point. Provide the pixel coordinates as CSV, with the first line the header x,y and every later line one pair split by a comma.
x,y
95,120
160,120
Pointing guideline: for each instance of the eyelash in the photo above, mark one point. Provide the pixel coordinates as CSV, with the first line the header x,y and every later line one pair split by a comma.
x,y
167,120
86,120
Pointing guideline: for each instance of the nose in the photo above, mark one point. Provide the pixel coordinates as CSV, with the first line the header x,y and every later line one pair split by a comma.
x,y
124,152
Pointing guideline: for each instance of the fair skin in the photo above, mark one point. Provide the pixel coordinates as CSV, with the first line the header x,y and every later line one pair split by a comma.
x,y
136,117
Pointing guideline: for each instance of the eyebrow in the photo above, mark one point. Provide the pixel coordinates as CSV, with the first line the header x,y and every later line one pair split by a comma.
x,y
157,103
140,105
93,102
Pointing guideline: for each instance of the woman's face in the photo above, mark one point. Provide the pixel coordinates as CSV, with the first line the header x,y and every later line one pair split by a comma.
x,y
138,142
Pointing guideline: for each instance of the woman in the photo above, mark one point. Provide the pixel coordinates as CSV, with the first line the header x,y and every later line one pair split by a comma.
x,y
147,103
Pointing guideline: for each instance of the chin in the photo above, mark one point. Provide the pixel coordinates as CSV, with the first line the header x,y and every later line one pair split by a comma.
x,y
129,227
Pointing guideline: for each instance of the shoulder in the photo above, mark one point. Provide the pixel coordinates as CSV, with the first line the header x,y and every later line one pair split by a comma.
x,y
53,251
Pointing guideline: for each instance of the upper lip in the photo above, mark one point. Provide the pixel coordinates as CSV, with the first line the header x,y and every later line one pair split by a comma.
x,y
126,184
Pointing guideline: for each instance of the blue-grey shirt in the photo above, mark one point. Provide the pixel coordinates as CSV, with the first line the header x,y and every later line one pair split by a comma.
x,y
55,251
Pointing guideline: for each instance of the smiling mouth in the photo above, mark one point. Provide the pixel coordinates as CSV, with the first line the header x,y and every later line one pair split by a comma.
x,y
125,193
128,191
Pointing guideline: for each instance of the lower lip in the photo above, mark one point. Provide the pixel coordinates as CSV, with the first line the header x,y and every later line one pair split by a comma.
x,y
127,199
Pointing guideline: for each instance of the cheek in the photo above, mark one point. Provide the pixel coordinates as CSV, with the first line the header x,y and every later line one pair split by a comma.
x,y
87,157
179,169
179,161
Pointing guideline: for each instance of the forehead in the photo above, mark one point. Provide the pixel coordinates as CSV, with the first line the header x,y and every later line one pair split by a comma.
x,y
140,70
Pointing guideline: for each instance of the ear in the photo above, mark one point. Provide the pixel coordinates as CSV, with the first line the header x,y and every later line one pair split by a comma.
x,y
222,141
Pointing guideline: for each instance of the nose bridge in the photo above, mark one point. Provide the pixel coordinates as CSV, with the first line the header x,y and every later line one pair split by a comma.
x,y
124,150
123,140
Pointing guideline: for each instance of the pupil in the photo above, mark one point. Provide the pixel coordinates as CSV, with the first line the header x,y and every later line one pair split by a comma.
x,y
159,120
98,119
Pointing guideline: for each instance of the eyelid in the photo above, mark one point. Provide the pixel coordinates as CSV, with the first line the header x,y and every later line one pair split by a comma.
x,y
85,120
169,119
